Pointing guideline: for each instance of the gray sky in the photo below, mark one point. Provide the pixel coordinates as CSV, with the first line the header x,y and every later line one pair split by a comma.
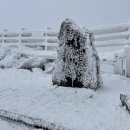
x,y
35,14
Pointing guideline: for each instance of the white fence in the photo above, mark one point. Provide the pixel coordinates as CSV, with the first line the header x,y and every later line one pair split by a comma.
x,y
122,62
108,38
46,38
112,38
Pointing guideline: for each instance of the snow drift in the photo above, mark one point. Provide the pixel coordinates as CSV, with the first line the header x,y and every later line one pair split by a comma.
x,y
15,58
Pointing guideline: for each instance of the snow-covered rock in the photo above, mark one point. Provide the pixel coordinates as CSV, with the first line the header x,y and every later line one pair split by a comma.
x,y
125,100
78,64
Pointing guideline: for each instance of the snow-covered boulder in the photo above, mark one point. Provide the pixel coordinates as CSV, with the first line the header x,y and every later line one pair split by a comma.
x,y
78,64
125,100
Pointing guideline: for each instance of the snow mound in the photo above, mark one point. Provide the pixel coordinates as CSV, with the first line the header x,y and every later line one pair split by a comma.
x,y
15,58
4,51
36,123
33,63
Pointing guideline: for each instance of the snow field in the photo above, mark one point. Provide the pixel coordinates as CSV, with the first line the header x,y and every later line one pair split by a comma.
x,y
33,95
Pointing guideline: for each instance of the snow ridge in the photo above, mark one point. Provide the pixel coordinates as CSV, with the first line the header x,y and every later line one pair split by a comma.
x,y
29,121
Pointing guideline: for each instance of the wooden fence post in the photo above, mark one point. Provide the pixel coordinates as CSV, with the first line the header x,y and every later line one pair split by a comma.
x,y
45,37
129,28
19,41
3,34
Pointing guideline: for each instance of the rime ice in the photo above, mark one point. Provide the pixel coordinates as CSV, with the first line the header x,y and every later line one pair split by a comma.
x,y
78,64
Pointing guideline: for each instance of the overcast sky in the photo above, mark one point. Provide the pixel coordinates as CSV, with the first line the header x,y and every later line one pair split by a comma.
x,y
36,14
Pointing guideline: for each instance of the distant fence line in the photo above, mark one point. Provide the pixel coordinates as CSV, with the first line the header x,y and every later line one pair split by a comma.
x,y
116,35
45,38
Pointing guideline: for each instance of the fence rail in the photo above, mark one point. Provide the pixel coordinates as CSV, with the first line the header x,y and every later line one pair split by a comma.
x,y
116,35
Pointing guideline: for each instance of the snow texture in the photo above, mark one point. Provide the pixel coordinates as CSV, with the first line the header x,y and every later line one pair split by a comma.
x,y
11,58
33,95
6,124
125,100
29,121
78,64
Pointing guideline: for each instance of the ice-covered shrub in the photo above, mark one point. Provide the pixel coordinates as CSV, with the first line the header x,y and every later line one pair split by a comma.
x,y
49,68
4,51
78,64
34,63
12,59
15,58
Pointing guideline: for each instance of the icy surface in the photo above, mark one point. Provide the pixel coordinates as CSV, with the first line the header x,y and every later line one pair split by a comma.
x,y
32,94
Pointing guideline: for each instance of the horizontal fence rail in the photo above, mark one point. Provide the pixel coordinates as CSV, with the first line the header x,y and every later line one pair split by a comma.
x,y
117,35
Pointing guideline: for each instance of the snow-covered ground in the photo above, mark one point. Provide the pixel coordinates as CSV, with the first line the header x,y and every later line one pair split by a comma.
x,y
32,94
10,125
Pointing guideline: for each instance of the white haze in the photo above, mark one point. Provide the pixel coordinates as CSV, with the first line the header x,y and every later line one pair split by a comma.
x,y
36,14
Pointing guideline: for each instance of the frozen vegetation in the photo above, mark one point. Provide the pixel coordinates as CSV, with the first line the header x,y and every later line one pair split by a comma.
x,y
15,58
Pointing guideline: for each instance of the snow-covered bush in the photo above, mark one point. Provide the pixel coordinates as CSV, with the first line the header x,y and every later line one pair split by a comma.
x,y
15,58
33,63
49,68
4,51
78,64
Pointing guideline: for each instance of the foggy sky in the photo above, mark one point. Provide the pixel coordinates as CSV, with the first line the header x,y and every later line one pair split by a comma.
x,y
36,14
